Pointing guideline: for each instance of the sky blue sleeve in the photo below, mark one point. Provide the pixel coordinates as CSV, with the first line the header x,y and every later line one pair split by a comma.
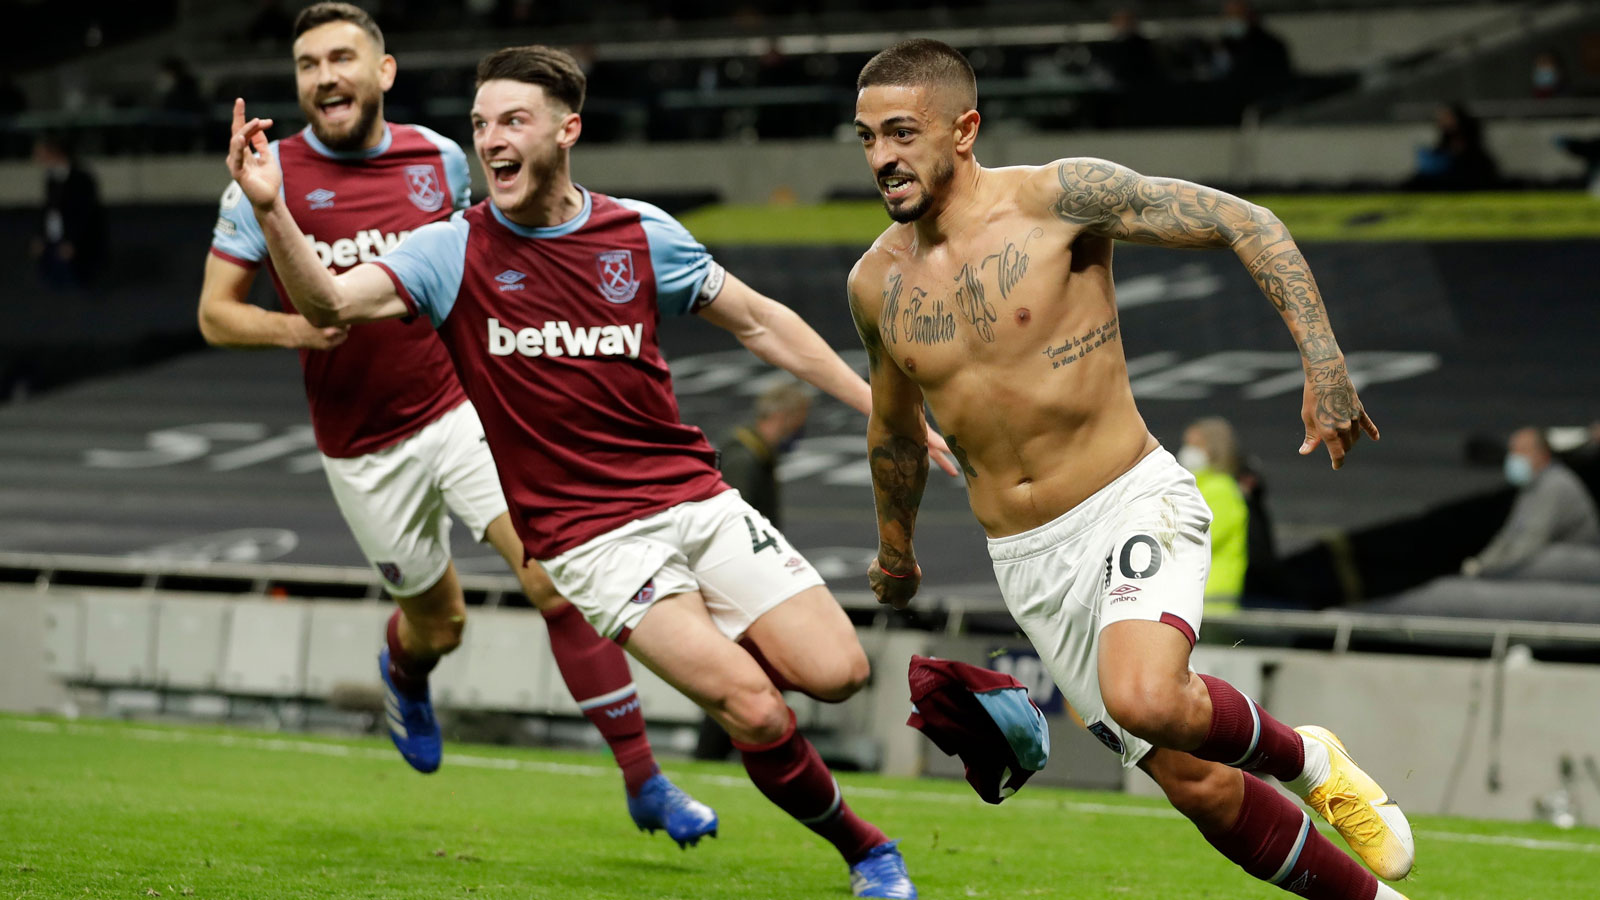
x,y
687,278
456,169
427,267
237,234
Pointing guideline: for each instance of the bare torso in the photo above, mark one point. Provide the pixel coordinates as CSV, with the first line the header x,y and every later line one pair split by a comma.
x,y
1010,329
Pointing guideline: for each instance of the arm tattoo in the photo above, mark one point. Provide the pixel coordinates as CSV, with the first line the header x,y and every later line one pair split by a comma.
x,y
1336,397
899,473
1116,202
870,340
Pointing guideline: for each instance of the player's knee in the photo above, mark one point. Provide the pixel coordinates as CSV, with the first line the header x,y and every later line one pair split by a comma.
x,y
844,679
1147,708
1201,795
754,715
441,634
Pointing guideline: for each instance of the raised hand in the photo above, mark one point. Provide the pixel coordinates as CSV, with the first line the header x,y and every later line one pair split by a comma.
x,y
250,159
1331,411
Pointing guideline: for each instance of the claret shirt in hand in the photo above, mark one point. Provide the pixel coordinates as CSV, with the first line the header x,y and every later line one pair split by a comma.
x,y
554,334
388,379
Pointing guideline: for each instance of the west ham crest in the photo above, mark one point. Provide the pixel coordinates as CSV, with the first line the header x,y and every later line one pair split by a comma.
x,y
390,573
424,186
617,283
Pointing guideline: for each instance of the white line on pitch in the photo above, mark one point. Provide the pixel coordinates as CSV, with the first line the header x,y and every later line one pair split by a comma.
x,y
471,761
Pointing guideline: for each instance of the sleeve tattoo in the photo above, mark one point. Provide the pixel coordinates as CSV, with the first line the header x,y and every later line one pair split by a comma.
x,y
1116,202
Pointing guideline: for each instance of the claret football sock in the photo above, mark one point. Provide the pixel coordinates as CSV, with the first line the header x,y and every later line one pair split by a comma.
x,y
596,672
1244,736
791,774
1275,841
408,671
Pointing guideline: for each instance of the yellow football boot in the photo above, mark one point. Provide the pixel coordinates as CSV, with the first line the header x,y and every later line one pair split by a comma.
x,y
1363,814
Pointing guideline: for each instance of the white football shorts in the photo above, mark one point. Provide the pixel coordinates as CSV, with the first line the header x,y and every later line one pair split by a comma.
x,y
397,500
721,547
1138,548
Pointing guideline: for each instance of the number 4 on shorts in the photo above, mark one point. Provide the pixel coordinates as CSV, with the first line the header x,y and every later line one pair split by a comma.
x,y
760,540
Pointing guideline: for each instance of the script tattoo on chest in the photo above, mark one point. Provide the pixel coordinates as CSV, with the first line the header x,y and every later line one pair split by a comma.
x,y
1078,346
918,320
1011,263
975,309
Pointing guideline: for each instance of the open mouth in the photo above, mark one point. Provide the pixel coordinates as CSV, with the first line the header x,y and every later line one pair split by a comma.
x,y
896,187
336,107
504,172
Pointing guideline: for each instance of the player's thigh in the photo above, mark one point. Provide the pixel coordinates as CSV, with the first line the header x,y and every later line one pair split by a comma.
x,y
393,508
1051,588
810,641
1150,610
678,641
615,578
536,584
465,471
746,568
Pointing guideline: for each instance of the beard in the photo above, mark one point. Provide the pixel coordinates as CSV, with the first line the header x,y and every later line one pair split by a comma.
x,y
942,174
358,130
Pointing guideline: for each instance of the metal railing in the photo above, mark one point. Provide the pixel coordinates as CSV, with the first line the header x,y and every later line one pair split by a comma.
x,y
953,612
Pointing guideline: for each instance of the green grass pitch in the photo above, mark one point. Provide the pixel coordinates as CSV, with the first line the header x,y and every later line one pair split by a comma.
x,y
113,810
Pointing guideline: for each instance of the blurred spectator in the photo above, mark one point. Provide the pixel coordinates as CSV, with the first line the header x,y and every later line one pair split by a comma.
x,y
179,97
749,460
71,244
1553,532
177,87
1549,76
1131,59
1254,58
751,452
1211,451
1458,160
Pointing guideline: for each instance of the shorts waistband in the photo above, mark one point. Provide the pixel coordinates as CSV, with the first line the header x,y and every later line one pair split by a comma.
x,y
1109,499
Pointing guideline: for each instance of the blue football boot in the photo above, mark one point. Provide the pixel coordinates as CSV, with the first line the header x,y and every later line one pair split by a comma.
x,y
661,804
882,873
412,727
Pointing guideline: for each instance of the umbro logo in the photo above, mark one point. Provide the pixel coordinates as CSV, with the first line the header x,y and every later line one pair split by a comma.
x,y
511,280
1124,592
321,198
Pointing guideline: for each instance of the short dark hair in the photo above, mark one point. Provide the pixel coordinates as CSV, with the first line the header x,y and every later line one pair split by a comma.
x,y
554,70
318,14
922,62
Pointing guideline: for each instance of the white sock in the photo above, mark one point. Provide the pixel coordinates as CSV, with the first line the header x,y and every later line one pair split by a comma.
x,y
1384,891
1313,773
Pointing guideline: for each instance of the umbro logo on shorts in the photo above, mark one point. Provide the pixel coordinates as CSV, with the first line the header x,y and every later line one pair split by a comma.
x,y
390,572
1124,592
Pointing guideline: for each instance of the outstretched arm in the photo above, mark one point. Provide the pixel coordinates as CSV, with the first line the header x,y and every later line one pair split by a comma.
x,y
363,294
229,319
897,453
1106,199
777,335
